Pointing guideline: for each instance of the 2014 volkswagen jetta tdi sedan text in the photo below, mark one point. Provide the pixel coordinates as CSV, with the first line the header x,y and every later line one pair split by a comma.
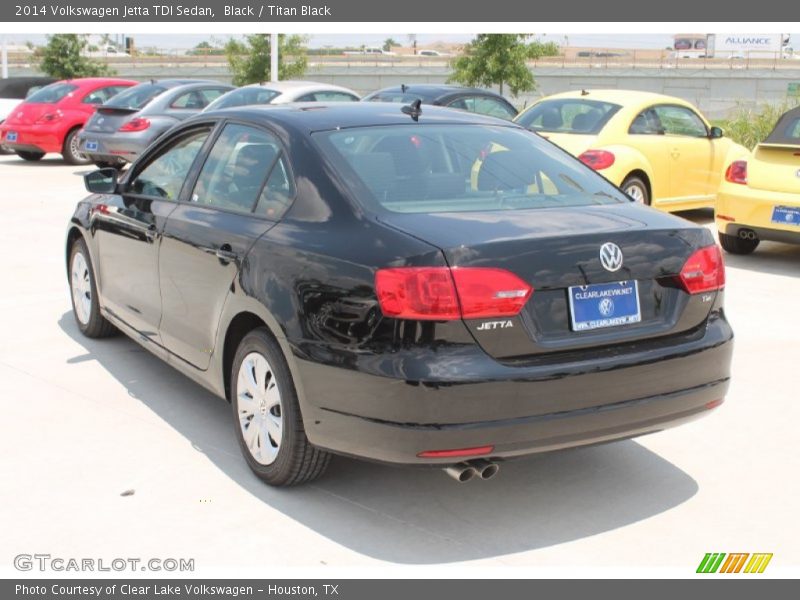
x,y
416,287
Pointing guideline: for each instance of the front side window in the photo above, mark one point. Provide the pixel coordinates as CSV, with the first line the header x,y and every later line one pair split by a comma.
x,y
569,115
193,100
483,105
443,168
244,97
50,94
679,120
238,166
163,176
793,130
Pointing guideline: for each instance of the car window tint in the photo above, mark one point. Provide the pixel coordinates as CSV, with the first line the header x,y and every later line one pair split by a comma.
x,y
483,105
569,115
211,94
398,96
244,96
678,120
793,130
236,168
334,97
101,95
442,168
136,97
278,193
646,123
50,94
163,176
193,100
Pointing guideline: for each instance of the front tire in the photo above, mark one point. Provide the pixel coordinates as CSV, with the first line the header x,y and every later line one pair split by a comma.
x,y
736,245
636,188
71,150
30,156
267,419
83,291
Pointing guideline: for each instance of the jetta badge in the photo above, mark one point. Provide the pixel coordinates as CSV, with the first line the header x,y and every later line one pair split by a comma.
x,y
611,257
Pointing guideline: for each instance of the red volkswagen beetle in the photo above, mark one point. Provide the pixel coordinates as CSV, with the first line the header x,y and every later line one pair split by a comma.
x,y
50,119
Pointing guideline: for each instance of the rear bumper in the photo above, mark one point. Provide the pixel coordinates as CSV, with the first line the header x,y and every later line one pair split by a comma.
x,y
113,146
517,409
32,138
752,209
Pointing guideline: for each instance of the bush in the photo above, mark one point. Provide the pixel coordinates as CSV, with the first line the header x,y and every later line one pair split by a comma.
x,y
749,126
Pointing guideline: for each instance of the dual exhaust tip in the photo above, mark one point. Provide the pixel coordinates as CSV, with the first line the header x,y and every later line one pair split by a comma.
x,y
481,468
747,234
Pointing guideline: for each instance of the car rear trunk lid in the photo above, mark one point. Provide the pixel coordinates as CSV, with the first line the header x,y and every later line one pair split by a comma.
x,y
775,168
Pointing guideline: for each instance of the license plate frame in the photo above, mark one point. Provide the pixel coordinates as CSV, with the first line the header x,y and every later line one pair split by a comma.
x,y
603,305
11,137
786,215
92,145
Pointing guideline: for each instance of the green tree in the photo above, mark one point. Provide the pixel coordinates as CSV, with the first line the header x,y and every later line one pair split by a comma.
x,y
249,60
388,44
63,58
500,59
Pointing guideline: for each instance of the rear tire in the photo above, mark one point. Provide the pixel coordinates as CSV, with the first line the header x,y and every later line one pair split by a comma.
x,y
266,414
736,245
636,188
30,156
83,292
70,150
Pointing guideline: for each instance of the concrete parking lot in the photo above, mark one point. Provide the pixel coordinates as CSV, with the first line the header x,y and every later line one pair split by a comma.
x,y
85,421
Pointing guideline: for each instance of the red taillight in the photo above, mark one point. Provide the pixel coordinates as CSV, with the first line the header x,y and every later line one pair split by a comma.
x,y
597,159
737,172
50,117
704,271
714,403
135,124
439,293
478,451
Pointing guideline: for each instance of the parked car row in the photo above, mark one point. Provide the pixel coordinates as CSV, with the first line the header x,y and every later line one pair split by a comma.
x,y
659,150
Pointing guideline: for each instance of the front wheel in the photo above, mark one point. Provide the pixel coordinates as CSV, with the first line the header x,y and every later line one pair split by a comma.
x,y
637,189
85,304
269,426
71,150
736,245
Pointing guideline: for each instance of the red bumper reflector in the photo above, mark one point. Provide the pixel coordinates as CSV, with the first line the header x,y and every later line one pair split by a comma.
x,y
714,403
457,452
726,218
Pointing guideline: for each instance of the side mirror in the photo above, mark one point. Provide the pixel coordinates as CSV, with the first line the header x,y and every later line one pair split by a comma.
x,y
103,181
716,133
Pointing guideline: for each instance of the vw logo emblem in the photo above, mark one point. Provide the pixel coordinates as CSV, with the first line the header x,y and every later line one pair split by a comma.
x,y
606,307
610,257
797,174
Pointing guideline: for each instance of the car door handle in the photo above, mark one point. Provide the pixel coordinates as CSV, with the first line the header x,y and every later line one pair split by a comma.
x,y
225,254
675,153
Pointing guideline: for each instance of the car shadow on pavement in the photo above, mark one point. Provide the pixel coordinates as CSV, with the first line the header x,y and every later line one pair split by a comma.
x,y
48,161
415,516
771,258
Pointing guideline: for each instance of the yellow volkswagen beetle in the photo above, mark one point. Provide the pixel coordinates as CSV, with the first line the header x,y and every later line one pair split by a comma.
x,y
759,198
658,149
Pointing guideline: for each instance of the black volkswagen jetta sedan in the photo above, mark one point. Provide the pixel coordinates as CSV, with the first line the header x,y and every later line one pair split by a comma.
x,y
415,287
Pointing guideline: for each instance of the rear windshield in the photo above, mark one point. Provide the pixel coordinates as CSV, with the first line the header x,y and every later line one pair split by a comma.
x,y
50,94
244,97
569,115
454,168
136,97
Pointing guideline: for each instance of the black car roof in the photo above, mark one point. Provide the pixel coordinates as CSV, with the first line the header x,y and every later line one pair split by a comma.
x,y
432,92
780,134
319,116
17,87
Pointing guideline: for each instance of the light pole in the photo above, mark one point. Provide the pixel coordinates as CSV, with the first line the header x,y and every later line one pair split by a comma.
x,y
273,57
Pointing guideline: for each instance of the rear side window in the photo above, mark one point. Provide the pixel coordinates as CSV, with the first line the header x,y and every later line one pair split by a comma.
x,y
569,115
136,97
163,176
102,95
455,168
238,172
402,97
194,100
328,97
243,97
50,94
